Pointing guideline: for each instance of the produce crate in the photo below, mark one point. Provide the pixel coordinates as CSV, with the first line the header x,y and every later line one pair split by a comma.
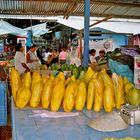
x,y
3,104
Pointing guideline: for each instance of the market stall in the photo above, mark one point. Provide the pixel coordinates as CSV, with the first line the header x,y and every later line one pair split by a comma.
x,y
49,107
82,95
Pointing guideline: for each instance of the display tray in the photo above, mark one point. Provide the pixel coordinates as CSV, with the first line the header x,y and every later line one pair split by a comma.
x,y
25,127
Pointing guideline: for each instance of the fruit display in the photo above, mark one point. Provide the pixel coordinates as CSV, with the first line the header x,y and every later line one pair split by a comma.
x,y
64,67
92,90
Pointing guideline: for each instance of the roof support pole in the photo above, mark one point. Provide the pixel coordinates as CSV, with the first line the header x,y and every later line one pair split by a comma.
x,y
86,32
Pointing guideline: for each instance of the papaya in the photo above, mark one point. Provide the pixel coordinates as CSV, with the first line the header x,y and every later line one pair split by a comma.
x,y
68,102
57,95
26,80
46,94
44,79
108,99
23,97
125,81
81,96
59,77
98,98
118,90
108,96
35,78
88,74
90,95
15,82
36,94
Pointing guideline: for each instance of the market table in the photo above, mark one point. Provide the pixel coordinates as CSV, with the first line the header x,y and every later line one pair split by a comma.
x,y
25,127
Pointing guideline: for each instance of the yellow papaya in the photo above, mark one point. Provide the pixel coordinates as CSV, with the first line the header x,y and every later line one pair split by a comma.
x,y
98,97
23,97
73,78
106,79
36,78
44,78
108,99
36,94
46,94
95,75
57,95
88,74
68,102
67,81
118,90
15,82
90,94
125,81
26,80
81,96
75,86
59,77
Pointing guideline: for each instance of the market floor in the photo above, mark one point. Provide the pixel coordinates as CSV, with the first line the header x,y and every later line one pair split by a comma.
x,y
6,131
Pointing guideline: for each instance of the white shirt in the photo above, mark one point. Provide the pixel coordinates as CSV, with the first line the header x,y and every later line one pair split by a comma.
x,y
19,59
32,57
92,59
46,55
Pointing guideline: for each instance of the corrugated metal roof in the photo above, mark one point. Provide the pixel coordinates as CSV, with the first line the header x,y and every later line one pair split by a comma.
x,y
66,8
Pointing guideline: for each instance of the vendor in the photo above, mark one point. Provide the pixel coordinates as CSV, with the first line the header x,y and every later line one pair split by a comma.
x,y
32,59
101,59
92,59
20,61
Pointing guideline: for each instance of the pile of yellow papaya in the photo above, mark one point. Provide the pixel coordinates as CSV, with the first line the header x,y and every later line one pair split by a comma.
x,y
96,91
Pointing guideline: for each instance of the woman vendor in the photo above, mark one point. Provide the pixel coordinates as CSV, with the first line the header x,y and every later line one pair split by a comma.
x,y
20,61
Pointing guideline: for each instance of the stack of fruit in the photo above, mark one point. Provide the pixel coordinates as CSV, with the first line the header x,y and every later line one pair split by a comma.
x,y
64,67
94,89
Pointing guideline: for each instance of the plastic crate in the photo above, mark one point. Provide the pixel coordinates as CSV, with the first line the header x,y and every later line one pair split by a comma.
x,y
3,104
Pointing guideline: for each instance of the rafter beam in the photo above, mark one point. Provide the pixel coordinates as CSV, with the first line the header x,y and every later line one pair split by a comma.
x,y
105,19
106,15
115,3
59,1
71,8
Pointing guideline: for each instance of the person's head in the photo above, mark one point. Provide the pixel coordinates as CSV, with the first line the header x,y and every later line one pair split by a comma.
x,y
102,53
33,48
54,51
92,52
19,47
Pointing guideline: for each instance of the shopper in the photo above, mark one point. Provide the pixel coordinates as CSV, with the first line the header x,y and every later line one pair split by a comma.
x,y
20,61
32,59
54,57
46,54
62,56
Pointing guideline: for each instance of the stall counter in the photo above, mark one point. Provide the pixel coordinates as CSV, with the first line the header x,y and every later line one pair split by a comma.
x,y
25,127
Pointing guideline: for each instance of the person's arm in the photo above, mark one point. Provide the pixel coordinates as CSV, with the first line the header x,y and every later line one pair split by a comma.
x,y
25,66
49,59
